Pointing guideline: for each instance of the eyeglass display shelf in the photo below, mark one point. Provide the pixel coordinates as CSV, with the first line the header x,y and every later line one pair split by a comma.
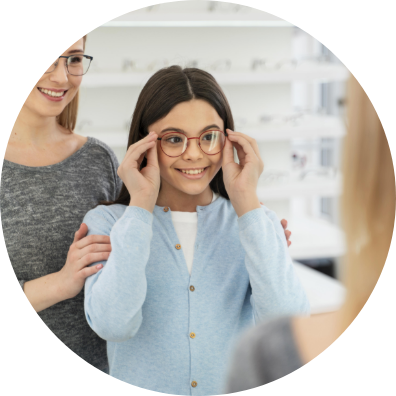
x,y
314,186
305,128
325,294
318,73
315,238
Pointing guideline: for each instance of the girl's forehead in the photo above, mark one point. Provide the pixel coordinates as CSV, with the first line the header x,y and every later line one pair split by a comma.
x,y
192,116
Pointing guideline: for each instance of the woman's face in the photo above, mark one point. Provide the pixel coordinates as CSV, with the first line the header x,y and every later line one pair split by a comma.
x,y
192,172
60,87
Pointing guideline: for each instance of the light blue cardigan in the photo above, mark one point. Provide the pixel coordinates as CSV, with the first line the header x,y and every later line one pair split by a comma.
x,y
172,333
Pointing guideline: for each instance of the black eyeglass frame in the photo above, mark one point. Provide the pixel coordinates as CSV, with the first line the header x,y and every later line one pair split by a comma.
x,y
67,67
198,138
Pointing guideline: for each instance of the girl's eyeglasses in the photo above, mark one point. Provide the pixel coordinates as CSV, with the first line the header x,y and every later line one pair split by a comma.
x,y
174,144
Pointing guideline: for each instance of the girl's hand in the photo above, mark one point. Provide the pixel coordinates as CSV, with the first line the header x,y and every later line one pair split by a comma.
x,y
241,179
84,251
143,185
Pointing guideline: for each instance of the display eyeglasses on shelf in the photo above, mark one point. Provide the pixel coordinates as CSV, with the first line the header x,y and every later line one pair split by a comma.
x,y
305,175
255,65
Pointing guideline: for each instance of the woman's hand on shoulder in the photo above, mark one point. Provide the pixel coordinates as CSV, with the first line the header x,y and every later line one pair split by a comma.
x,y
287,232
143,185
84,251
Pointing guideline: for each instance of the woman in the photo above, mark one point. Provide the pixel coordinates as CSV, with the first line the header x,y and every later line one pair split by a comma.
x,y
195,257
51,177
275,349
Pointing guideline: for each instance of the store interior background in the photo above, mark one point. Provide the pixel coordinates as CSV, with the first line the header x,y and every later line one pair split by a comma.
x,y
285,88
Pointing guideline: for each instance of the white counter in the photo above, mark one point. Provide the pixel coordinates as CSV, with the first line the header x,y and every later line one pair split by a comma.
x,y
324,293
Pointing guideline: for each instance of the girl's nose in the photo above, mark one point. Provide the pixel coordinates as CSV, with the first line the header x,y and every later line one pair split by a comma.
x,y
193,152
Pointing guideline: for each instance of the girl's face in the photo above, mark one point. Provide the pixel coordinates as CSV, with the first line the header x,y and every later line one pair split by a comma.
x,y
191,118
55,90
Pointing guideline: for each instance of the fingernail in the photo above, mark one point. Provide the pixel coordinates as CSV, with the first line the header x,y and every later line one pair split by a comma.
x,y
99,266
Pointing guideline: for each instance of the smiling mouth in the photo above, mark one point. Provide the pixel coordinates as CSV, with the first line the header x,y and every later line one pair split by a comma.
x,y
54,94
192,171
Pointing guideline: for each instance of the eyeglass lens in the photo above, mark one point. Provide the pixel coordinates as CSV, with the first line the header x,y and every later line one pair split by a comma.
x,y
77,65
175,143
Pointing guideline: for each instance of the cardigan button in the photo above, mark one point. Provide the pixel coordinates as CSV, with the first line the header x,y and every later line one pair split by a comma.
x,y
192,288
178,247
166,209
194,384
192,335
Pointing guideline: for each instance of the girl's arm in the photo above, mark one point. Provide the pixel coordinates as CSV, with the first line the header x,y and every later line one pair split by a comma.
x,y
276,289
115,295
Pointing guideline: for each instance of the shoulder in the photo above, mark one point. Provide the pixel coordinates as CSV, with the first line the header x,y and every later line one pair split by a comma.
x,y
104,149
104,215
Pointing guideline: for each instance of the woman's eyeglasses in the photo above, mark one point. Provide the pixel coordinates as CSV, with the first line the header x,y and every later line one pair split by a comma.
x,y
174,144
76,65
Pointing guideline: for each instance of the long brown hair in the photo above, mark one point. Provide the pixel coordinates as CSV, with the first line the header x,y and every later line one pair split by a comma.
x,y
368,201
162,92
68,117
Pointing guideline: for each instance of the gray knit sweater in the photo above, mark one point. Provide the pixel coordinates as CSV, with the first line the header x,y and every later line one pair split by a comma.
x,y
41,209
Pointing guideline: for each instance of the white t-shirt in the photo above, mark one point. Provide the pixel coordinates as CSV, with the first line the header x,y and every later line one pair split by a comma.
x,y
186,225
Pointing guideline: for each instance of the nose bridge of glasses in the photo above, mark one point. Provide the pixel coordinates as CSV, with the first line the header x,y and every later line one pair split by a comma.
x,y
55,68
189,147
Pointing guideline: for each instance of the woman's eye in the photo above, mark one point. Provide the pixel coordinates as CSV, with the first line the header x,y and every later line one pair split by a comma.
x,y
76,59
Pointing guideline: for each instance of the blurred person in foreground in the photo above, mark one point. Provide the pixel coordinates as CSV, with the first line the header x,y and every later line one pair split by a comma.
x,y
277,348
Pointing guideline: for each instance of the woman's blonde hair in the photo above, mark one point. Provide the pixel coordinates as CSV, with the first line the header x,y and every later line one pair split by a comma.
x,y
68,117
369,198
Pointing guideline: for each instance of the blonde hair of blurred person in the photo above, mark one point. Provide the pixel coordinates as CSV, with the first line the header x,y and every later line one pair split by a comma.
x,y
368,209
43,132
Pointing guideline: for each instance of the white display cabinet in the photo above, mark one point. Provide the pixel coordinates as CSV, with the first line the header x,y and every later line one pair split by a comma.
x,y
274,77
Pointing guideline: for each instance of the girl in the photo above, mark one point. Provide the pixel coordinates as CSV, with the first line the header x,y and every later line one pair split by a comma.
x,y
273,350
51,177
195,257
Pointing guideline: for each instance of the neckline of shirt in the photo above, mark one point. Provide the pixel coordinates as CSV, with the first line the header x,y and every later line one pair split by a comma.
x,y
88,143
190,217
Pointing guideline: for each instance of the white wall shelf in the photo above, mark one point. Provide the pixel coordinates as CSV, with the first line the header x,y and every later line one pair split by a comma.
x,y
198,20
319,187
310,127
199,14
319,73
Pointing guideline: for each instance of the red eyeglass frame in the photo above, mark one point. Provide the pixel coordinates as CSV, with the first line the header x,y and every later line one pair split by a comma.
x,y
199,138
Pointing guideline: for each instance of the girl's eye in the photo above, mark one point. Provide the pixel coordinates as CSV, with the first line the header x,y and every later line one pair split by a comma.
x,y
174,139
209,136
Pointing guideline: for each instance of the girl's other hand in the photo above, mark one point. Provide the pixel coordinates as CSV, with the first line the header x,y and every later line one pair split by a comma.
x,y
241,178
143,185
85,250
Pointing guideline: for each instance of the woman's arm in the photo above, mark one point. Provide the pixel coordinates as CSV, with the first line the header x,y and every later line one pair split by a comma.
x,y
50,289
114,296
276,289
